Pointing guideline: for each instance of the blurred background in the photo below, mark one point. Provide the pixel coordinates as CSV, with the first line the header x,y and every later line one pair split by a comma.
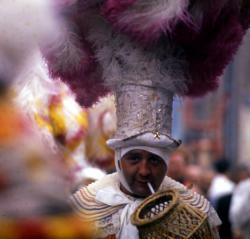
x,y
219,121
215,159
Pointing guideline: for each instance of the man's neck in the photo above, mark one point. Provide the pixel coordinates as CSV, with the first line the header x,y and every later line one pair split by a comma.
x,y
124,190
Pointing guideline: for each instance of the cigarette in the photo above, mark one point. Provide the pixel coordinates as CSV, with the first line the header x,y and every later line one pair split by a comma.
x,y
150,187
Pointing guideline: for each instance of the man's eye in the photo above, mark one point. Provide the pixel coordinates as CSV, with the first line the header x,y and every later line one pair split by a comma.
x,y
155,160
134,158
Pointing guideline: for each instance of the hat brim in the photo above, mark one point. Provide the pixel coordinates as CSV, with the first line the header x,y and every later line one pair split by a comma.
x,y
147,139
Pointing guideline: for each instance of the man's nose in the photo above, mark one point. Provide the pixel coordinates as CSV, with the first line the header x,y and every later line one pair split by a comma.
x,y
144,168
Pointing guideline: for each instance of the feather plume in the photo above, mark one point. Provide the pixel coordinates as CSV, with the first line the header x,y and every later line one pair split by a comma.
x,y
124,61
69,55
64,3
210,49
86,4
89,89
245,14
71,58
186,44
24,25
138,18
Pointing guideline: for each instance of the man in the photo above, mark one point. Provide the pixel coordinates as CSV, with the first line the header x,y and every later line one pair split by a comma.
x,y
109,203
240,211
141,167
221,184
178,163
145,52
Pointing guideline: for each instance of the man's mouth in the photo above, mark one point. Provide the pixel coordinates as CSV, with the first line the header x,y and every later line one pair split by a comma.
x,y
144,182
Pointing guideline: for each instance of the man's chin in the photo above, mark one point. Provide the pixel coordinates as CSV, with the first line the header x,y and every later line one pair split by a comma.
x,y
141,192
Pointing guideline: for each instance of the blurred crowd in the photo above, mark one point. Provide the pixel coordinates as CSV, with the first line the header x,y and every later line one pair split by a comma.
x,y
225,183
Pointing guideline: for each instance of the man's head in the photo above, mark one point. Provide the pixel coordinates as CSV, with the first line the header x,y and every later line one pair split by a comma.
x,y
140,167
144,146
178,162
222,165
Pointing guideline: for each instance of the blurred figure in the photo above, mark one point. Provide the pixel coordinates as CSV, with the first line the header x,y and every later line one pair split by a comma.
x,y
240,172
177,164
221,183
220,193
206,178
222,208
33,186
192,177
62,122
240,210
102,125
34,177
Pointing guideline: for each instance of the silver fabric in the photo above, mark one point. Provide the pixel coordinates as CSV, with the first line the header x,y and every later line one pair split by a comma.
x,y
143,108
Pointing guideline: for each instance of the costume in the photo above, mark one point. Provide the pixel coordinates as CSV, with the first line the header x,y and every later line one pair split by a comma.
x,y
63,123
103,204
33,189
145,52
101,127
182,45
33,178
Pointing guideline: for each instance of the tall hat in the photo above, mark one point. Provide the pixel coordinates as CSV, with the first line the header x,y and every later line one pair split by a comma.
x,y
146,52
144,116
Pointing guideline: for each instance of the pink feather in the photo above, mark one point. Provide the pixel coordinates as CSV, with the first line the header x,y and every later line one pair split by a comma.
x,y
245,14
146,21
211,49
208,33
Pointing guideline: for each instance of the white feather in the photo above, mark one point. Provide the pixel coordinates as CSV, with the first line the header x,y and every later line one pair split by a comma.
x,y
24,25
67,51
34,85
161,13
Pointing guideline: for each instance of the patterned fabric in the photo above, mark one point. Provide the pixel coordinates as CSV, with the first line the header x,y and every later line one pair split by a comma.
x,y
164,215
92,210
107,219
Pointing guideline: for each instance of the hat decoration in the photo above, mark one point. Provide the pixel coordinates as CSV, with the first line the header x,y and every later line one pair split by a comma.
x,y
146,52
195,40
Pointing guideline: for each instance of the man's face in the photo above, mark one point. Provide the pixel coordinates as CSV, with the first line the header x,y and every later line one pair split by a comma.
x,y
140,167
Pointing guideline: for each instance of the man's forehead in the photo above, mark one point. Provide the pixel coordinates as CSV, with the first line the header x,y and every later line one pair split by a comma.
x,y
141,152
162,153
137,151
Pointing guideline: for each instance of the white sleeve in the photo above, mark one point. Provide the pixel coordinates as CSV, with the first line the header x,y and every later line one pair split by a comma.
x,y
239,209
